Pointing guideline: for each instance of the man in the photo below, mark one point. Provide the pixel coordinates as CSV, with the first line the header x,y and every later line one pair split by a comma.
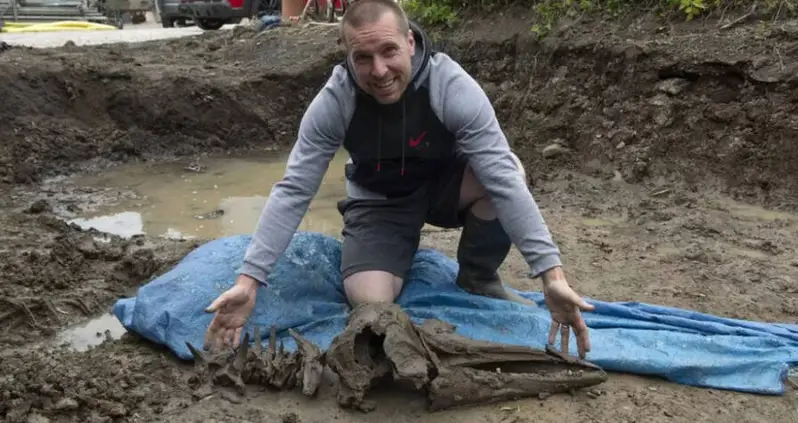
x,y
425,146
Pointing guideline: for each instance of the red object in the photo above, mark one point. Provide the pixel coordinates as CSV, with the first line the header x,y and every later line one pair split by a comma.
x,y
236,4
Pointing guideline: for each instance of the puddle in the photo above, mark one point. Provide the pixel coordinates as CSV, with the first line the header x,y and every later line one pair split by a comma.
x,y
225,199
125,224
747,211
596,222
92,333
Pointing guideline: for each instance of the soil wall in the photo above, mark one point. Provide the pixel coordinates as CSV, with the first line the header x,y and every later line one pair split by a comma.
x,y
682,105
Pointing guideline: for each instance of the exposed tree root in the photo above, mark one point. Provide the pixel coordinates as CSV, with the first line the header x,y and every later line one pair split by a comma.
x,y
25,307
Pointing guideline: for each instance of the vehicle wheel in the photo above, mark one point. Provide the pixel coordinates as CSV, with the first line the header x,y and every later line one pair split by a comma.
x,y
166,22
210,24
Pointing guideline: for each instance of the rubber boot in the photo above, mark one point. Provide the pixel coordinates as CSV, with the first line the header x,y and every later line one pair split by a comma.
x,y
483,247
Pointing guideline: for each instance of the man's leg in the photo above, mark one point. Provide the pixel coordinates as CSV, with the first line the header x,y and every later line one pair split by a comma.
x,y
484,244
380,239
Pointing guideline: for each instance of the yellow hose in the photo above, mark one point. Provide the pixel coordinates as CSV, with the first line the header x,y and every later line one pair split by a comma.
x,y
16,27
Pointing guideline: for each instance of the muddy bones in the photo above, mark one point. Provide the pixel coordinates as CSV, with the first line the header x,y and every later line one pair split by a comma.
x,y
381,343
251,364
381,340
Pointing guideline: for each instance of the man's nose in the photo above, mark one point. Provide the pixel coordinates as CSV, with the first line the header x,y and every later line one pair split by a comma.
x,y
378,69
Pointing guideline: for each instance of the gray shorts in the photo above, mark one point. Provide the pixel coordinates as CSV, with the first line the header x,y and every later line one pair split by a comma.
x,y
384,233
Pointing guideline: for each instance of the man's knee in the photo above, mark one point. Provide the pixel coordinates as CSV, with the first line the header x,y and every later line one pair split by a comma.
x,y
473,194
372,286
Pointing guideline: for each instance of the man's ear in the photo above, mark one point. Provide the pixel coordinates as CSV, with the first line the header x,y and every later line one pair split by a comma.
x,y
411,41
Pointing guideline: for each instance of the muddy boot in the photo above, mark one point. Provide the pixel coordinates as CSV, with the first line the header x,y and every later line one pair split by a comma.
x,y
483,247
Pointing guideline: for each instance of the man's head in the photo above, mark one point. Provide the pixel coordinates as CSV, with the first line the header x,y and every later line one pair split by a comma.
x,y
380,46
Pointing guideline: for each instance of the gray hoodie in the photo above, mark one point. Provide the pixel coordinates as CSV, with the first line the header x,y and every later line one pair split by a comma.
x,y
443,105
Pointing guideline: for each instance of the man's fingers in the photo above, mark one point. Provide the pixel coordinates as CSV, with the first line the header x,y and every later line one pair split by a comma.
x,y
553,331
210,334
583,343
231,338
216,304
582,336
237,337
585,306
565,335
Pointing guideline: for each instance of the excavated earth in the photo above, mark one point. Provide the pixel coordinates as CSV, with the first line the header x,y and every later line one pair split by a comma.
x,y
663,157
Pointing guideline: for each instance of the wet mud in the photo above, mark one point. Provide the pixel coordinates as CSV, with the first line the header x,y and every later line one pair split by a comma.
x,y
660,155
64,274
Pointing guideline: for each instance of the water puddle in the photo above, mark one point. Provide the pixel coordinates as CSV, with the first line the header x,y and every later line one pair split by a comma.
x,y
225,198
125,224
751,212
597,223
92,333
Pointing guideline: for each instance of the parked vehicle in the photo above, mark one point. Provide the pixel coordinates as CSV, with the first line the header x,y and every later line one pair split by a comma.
x,y
211,15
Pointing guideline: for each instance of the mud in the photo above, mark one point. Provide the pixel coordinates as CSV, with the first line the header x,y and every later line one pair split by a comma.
x,y
65,274
661,156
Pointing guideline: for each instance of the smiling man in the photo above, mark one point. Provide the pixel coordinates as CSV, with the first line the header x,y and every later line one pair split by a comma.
x,y
425,147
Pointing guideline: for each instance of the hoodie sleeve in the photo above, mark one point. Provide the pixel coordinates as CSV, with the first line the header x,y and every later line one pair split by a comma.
x,y
321,133
466,111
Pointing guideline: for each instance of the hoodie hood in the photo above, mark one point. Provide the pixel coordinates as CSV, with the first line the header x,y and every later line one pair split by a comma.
x,y
419,74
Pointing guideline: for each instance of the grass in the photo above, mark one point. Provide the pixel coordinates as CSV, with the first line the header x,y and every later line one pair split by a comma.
x,y
446,13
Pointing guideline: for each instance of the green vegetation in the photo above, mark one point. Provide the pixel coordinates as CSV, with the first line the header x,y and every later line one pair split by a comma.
x,y
447,13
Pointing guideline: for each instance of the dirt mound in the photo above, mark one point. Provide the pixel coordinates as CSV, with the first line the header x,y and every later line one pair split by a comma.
x,y
691,102
95,386
687,104
65,106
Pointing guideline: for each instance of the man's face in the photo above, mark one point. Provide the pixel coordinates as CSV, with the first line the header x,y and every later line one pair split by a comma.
x,y
381,56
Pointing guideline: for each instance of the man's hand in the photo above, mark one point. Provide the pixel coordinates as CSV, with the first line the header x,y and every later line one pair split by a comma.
x,y
232,309
566,308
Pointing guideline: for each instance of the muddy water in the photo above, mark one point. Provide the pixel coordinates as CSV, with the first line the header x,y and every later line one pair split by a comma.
x,y
92,333
224,198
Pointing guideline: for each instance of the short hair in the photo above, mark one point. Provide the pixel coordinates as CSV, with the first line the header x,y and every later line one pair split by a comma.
x,y
362,12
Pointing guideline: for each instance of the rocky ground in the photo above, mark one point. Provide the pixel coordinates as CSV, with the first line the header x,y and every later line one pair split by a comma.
x,y
661,156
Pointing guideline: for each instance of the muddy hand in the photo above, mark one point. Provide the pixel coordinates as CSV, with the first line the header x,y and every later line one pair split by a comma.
x,y
232,309
566,308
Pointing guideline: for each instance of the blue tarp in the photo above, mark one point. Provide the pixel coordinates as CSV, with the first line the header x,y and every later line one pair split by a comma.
x,y
305,292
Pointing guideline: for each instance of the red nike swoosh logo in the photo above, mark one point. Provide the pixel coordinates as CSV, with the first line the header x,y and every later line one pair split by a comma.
x,y
416,141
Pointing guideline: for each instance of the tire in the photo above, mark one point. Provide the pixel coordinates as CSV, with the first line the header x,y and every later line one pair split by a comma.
x,y
210,24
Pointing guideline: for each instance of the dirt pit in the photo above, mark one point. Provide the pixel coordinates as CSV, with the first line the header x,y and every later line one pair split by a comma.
x,y
660,159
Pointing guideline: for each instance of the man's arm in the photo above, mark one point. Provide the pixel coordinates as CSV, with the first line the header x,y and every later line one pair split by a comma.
x,y
467,112
321,133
